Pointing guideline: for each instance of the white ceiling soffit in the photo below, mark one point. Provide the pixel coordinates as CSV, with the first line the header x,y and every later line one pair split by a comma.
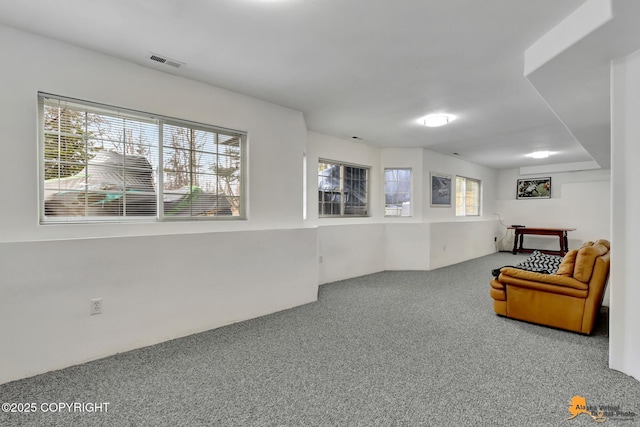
x,y
570,68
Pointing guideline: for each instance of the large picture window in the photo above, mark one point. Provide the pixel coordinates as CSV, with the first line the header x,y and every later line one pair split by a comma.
x,y
467,196
102,163
343,189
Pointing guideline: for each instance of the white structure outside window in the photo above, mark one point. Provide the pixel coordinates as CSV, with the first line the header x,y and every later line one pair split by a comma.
x,y
397,192
467,196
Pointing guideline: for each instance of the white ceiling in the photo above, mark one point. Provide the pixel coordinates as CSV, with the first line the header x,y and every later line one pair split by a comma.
x,y
355,68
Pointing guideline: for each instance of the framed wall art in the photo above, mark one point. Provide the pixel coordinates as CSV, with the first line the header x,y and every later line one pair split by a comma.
x,y
534,188
440,190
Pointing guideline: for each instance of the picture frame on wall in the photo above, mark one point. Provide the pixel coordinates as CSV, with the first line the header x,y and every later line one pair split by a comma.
x,y
534,188
440,190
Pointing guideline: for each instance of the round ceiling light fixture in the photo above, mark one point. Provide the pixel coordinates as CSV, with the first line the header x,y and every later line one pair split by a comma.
x,y
540,154
435,120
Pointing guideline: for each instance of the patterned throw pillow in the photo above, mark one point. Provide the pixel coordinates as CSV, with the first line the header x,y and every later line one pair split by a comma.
x,y
541,263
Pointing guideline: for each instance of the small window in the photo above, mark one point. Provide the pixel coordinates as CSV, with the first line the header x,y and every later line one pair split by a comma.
x,y
343,189
397,192
467,196
102,163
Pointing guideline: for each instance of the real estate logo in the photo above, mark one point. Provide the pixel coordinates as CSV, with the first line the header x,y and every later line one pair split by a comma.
x,y
599,413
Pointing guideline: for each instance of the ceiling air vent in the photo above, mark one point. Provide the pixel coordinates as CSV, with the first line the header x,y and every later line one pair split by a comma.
x,y
164,60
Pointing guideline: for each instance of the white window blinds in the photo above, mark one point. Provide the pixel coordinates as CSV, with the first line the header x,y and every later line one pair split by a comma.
x,y
102,163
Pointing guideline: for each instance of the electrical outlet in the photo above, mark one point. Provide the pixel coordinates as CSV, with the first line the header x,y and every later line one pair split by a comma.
x,y
96,306
321,259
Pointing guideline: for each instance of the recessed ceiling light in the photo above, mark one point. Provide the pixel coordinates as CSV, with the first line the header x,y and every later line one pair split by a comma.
x,y
540,154
435,120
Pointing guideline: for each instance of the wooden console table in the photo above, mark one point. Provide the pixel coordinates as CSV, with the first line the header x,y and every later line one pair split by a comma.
x,y
560,232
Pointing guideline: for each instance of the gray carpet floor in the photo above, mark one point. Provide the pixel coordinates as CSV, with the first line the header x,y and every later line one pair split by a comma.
x,y
408,348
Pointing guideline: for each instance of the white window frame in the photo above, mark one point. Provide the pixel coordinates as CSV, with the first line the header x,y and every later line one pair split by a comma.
x,y
461,196
405,210
339,202
234,179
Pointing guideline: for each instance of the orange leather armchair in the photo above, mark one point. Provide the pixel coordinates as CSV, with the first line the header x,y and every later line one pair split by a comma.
x,y
569,299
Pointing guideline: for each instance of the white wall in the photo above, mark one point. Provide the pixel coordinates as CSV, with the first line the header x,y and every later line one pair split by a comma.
x,y
350,250
455,239
349,247
157,280
580,200
435,162
277,136
154,288
354,246
408,246
624,339
407,239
